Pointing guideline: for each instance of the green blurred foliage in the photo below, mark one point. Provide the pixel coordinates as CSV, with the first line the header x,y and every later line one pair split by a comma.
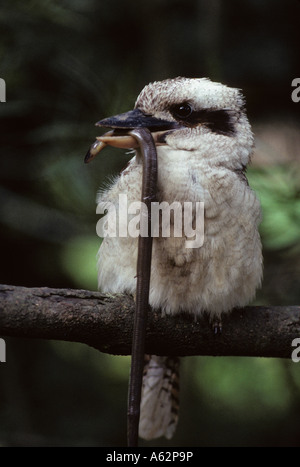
x,y
279,193
278,188
66,65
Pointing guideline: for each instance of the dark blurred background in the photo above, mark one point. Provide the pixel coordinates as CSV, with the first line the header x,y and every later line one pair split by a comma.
x,y
68,64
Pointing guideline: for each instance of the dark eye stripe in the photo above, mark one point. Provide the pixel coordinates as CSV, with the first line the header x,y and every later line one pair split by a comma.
x,y
219,121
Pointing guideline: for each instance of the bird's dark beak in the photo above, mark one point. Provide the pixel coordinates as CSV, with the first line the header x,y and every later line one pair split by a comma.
x,y
121,125
137,119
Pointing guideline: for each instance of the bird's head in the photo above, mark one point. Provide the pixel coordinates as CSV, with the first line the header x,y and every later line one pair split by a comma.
x,y
191,114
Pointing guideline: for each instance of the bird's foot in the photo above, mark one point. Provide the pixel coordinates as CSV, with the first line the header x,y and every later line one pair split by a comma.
x,y
217,326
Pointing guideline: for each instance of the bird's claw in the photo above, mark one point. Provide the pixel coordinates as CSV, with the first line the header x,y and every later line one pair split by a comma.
x,y
217,327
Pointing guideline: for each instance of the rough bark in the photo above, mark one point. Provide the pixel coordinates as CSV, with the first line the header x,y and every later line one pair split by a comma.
x,y
105,322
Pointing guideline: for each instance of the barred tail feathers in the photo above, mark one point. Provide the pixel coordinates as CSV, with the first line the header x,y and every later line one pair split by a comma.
x,y
160,397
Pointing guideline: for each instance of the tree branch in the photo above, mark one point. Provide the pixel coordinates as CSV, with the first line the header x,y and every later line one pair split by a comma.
x,y
105,322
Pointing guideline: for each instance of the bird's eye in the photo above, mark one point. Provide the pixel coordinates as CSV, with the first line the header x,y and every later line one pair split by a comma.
x,y
182,111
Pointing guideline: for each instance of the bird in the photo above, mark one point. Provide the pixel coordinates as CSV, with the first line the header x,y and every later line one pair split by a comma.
x,y
204,143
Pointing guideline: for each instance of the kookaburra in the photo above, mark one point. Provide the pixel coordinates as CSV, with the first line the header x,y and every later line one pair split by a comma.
x,y
204,143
